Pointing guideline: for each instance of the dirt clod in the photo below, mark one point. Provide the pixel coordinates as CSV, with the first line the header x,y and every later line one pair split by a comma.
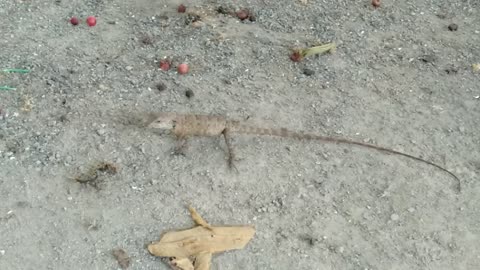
x,y
161,86
189,93
308,72
122,257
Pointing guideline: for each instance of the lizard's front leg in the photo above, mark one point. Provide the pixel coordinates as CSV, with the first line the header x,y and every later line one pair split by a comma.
x,y
180,145
228,142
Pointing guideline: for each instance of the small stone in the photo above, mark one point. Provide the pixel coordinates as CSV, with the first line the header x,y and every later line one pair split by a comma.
x,y
128,68
189,93
394,217
451,70
340,249
453,27
2,252
308,72
411,209
101,132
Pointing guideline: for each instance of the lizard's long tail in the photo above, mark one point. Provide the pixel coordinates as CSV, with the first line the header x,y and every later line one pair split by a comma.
x,y
282,132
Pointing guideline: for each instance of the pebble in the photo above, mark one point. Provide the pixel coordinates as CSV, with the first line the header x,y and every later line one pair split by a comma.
x,y
128,68
411,209
394,217
2,252
453,27
101,131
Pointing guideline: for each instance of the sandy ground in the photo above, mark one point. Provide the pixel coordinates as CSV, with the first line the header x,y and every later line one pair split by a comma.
x,y
399,78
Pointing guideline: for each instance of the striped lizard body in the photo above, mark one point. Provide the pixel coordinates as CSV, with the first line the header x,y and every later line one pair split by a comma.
x,y
185,125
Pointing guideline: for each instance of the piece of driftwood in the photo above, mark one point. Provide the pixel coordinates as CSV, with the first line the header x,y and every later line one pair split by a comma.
x,y
192,249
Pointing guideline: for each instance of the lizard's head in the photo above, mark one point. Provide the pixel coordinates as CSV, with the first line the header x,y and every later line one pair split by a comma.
x,y
163,122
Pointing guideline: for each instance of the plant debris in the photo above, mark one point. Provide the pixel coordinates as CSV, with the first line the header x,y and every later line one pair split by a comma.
x,y
193,248
27,103
299,54
91,175
225,10
122,257
191,18
476,67
16,70
6,88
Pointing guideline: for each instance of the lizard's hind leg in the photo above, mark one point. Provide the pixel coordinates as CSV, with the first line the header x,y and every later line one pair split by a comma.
x,y
228,142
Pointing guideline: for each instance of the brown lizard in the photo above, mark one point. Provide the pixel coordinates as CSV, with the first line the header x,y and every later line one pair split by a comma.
x,y
185,125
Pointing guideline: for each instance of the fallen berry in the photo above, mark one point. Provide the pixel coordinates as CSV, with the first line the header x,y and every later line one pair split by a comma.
x,y
74,20
181,8
242,14
164,65
299,54
182,68
91,21
296,56
376,3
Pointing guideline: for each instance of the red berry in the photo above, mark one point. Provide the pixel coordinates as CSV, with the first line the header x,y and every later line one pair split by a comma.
x,y
164,65
182,68
91,21
74,20
182,8
376,3
296,57
242,14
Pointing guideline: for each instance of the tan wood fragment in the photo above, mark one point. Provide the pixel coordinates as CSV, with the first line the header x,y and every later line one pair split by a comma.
x,y
200,242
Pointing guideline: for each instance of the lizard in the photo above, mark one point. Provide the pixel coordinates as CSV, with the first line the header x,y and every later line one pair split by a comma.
x,y
187,125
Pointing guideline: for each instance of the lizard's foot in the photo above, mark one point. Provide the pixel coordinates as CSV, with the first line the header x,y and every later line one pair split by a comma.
x,y
180,147
179,151
231,164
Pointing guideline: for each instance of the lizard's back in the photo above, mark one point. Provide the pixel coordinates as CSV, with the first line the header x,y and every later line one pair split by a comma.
x,y
200,125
